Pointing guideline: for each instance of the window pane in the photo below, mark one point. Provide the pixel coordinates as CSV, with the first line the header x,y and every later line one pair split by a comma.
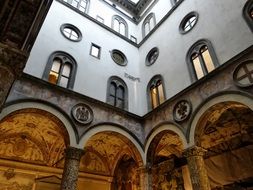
x,y
75,3
152,23
113,89
64,81
66,70
154,97
95,51
161,94
73,35
122,29
251,13
120,92
208,60
116,25
146,28
111,100
120,103
197,67
56,65
53,77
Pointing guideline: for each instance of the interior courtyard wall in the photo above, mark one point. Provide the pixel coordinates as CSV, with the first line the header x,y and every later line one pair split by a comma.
x,y
91,72
227,40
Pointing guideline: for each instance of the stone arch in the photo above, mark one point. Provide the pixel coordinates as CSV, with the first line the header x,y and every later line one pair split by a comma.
x,y
164,156
40,105
244,99
115,129
161,128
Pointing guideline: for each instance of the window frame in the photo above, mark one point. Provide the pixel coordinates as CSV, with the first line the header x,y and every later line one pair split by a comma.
x,y
185,20
71,27
99,50
153,81
100,19
147,21
122,54
120,20
174,2
72,62
69,2
119,82
195,49
147,62
246,13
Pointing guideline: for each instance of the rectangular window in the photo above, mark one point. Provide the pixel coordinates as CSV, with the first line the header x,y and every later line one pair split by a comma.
x,y
133,39
95,50
100,19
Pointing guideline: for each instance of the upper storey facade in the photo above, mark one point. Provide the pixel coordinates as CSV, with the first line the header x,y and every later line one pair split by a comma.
x,y
137,60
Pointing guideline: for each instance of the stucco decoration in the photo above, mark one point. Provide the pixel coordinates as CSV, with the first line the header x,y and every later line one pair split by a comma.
x,y
169,144
182,110
222,123
93,162
82,113
109,148
34,136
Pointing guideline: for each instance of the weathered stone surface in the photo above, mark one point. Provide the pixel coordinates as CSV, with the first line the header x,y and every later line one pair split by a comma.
x,y
71,168
197,169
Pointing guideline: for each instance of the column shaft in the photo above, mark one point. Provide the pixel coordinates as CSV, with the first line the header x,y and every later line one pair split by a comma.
x,y
197,169
71,168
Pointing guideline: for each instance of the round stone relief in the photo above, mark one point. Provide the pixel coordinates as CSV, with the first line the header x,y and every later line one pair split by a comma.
x,y
82,113
243,74
119,57
152,56
182,110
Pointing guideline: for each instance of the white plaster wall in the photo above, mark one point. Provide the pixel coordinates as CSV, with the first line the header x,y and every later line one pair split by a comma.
x,y
92,73
221,22
102,9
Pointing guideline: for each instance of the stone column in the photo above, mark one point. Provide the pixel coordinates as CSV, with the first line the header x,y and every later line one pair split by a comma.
x,y
197,169
145,179
71,168
12,63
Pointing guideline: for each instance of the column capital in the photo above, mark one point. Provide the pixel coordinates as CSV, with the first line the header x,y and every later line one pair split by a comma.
x,y
194,151
74,153
13,59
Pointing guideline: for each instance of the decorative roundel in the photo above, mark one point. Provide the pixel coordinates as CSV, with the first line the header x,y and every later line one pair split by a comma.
x,y
182,110
243,74
82,113
188,22
152,56
71,32
118,57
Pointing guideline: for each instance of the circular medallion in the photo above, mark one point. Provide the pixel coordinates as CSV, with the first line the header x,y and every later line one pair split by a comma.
x,y
243,74
152,56
118,57
82,113
182,110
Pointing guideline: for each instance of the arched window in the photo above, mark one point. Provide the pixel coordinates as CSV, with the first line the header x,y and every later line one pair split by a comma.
x,y
81,5
174,2
155,92
119,25
60,70
201,59
117,93
248,13
148,24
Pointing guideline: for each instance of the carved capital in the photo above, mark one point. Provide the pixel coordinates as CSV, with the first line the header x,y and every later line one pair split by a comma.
x,y
13,59
194,151
74,153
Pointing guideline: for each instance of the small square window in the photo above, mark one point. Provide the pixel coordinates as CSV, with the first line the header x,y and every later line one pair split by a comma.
x,y
100,19
95,51
133,39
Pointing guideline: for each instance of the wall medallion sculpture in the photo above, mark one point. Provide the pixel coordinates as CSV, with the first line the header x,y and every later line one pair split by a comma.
x,y
182,110
82,113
